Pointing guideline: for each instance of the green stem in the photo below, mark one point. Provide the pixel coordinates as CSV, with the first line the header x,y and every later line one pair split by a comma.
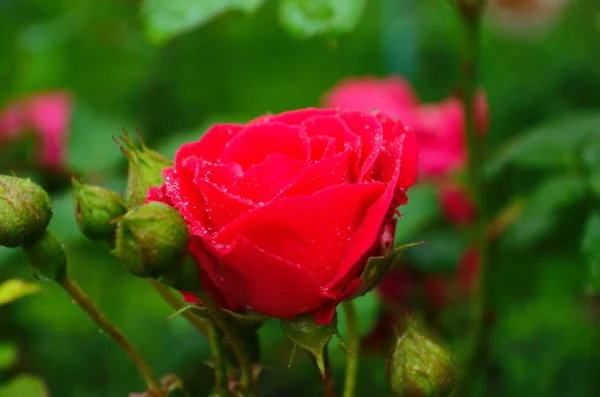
x,y
354,348
233,337
73,289
221,382
470,12
327,377
165,292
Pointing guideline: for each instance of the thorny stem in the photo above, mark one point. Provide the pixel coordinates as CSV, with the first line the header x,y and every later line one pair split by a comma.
x,y
233,337
73,289
470,12
353,348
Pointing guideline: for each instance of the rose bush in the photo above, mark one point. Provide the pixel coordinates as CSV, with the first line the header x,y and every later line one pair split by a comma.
x,y
284,210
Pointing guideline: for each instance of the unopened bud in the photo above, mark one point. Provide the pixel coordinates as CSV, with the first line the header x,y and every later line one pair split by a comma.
x,y
145,170
419,367
47,257
25,211
151,240
96,208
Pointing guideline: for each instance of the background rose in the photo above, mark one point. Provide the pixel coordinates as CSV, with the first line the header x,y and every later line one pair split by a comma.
x,y
48,116
285,209
440,131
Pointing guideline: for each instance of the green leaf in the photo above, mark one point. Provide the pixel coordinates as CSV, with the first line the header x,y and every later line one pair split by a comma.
x,y
591,250
553,146
542,210
24,386
166,19
421,209
306,18
8,355
378,266
13,289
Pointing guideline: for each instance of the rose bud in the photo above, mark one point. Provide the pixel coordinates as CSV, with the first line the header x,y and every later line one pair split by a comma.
x,y
285,211
25,211
145,170
151,240
95,210
419,367
47,257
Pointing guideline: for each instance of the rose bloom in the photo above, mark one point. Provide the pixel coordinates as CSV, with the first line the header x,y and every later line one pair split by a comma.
x,y
439,127
48,116
285,210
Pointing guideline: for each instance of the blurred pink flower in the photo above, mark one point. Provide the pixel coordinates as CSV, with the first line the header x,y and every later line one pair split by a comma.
x,y
48,115
439,127
456,205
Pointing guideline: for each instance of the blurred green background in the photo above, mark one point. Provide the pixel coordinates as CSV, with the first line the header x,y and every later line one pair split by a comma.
x,y
544,148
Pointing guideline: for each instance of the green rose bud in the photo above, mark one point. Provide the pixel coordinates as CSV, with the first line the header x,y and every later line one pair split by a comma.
x,y
95,210
151,241
47,257
145,170
25,211
419,367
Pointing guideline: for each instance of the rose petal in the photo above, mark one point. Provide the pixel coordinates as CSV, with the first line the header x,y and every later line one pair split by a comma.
x,y
252,145
269,284
325,173
296,117
310,231
265,181
211,145
334,127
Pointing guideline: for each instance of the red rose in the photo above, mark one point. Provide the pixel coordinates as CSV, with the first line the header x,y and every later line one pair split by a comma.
x,y
284,211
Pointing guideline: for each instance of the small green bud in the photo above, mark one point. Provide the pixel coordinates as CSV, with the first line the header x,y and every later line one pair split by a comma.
x,y
95,209
151,240
310,337
25,211
47,257
145,170
419,367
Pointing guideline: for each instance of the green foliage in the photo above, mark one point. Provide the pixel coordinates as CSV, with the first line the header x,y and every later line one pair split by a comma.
x,y
554,146
420,211
166,19
306,18
13,289
591,250
544,208
24,386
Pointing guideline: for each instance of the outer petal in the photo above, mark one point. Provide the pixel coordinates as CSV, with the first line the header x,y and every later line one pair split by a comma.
x,y
296,117
310,231
267,283
212,143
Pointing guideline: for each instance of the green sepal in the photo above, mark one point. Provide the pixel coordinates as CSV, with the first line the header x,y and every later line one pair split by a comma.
x,y
378,266
310,337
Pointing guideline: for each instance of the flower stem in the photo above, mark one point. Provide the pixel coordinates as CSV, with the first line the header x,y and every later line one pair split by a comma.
x,y
233,337
73,289
327,377
354,348
221,382
470,13
165,292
